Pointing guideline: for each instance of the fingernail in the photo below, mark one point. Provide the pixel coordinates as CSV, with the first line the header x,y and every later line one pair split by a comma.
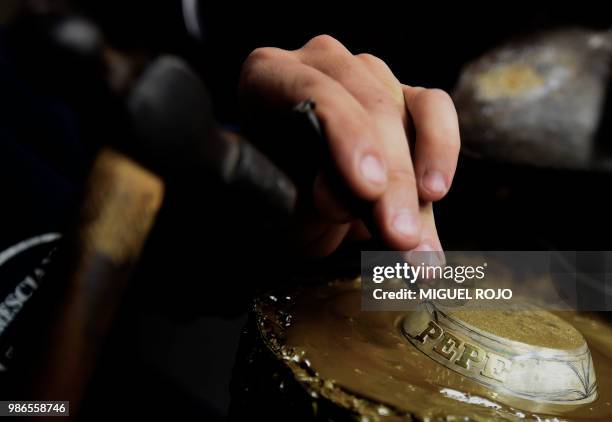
x,y
373,170
405,223
434,182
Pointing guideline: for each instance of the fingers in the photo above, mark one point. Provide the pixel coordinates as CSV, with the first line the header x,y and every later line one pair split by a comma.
x,y
367,116
397,213
429,239
384,74
429,249
348,128
373,85
437,140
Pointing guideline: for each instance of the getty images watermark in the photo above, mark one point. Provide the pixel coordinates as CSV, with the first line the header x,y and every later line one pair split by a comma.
x,y
568,280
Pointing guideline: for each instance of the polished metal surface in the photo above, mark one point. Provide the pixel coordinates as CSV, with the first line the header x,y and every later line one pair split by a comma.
x,y
551,363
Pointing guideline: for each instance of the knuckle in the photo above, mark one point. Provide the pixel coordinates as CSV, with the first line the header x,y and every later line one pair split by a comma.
x,y
252,64
373,61
258,55
411,95
325,42
438,96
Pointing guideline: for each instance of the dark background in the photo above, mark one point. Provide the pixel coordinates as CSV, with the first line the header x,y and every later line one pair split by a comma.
x,y
424,44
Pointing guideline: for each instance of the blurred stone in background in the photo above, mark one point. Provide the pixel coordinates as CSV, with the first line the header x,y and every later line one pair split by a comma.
x,y
537,101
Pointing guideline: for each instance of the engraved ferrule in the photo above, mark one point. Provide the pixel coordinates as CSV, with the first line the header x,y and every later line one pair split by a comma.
x,y
524,365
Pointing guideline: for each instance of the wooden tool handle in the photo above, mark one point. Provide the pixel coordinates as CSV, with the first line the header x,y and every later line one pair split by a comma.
x,y
118,211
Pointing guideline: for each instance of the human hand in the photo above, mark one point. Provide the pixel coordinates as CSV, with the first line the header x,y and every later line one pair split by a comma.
x,y
394,146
